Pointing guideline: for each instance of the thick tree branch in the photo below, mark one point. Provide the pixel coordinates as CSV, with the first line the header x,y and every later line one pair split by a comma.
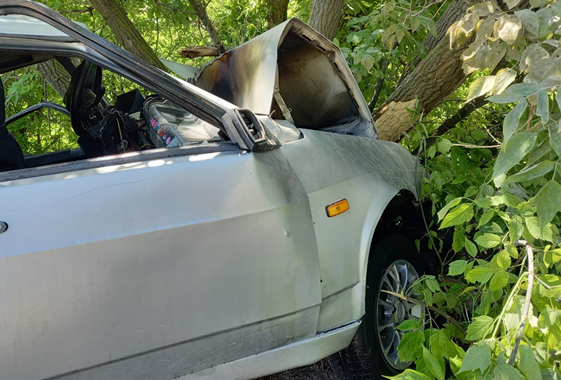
x,y
201,51
455,11
436,77
200,10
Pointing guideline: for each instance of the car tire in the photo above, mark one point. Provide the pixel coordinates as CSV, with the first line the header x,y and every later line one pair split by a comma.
x,y
393,262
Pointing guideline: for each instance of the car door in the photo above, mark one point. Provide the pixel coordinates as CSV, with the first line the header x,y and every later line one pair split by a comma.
x,y
153,268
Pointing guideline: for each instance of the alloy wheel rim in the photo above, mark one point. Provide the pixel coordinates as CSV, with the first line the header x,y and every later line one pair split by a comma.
x,y
391,310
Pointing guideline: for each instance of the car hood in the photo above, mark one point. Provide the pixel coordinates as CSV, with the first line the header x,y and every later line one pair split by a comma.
x,y
294,73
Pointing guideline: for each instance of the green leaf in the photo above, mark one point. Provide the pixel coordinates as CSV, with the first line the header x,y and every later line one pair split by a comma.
x,y
552,257
551,81
530,21
503,259
528,364
513,151
458,215
444,146
535,171
479,274
471,248
410,346
555,136
457,267
504,78
455,365
485,218
442,213
409,324
410,374
542,109
513,315
516,228
432,284
512,3
440,344
512,119
506,372
499,280
477,357
479,328
536,155
433,365
548,202
459,239
549,316
512,250
536,230
505,98
524,89
481,86
488,240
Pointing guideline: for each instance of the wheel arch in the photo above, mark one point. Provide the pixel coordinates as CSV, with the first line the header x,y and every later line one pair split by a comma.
x,y
402,213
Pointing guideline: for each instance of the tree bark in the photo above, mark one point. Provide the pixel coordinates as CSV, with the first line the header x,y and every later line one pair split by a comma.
x,y
200,10
276,12
55,75
201,51
125,32
437,76
455,11
325,16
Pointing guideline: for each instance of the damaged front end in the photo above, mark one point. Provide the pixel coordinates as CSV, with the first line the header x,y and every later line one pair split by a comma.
x,y
295,75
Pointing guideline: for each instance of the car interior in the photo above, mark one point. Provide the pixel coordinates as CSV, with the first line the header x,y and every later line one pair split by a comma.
x,y
132,122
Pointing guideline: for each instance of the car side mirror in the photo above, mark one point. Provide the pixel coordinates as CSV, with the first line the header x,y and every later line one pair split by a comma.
x,y
246,130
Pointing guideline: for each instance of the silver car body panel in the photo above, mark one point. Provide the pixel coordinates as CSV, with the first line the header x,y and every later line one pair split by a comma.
x,y
204,261
292,356
214,250
369,179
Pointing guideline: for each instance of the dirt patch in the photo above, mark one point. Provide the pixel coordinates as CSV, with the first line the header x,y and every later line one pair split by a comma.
x,y
327,369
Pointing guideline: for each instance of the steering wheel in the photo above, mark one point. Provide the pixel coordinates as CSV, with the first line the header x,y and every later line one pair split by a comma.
x,y
87,108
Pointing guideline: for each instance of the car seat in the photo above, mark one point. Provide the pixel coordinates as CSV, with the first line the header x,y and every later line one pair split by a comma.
x,y
11,155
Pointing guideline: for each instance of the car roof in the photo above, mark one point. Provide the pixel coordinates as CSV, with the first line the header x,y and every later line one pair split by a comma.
x,y
30,27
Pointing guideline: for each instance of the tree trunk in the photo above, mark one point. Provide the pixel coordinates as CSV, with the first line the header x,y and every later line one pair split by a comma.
x,y
55,75
200,10
455,11
325,16
125,32
437,76
276,12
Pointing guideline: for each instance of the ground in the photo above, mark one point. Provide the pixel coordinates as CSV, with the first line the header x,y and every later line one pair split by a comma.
x,y
326,369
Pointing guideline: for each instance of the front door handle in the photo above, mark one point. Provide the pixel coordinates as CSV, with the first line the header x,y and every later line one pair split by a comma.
x,y
3,227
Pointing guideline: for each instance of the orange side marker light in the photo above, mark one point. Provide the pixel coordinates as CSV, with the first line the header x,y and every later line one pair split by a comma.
x,y
337,208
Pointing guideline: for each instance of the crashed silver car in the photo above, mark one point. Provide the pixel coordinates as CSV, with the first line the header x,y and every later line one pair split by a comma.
x,y
238,224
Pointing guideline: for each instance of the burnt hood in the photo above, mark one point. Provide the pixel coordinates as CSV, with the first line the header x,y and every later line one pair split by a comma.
x,y
291,73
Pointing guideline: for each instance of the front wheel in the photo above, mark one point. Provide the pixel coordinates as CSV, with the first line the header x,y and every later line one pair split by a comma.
x,y
393,267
